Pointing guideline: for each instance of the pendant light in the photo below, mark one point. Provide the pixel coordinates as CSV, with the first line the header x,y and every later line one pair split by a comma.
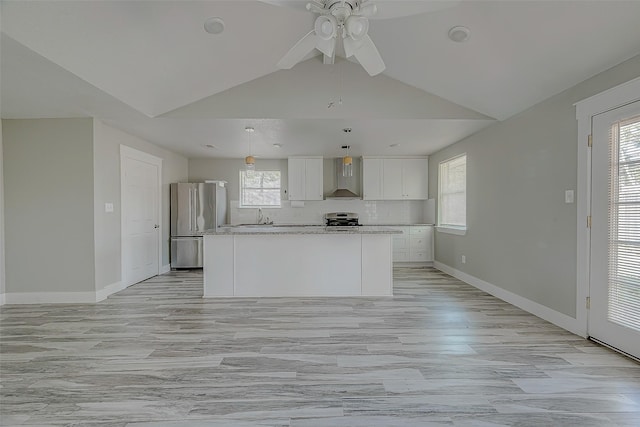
x,y
347,162
249,161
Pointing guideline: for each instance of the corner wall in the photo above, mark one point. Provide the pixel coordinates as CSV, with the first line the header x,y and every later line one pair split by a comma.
x,y
521,235
2,263
48,178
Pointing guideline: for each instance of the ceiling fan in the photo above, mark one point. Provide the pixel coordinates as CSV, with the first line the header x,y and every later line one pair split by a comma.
x,y
339,20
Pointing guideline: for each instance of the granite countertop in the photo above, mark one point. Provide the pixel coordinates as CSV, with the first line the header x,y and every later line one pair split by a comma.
x,y
308,229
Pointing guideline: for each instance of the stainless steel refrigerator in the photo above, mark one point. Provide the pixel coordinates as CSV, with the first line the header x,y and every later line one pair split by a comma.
x,y
195,208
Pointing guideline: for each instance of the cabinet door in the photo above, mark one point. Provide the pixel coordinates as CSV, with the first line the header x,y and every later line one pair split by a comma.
x,y
372,179
297,181
313,179
401,245
414,179
392,179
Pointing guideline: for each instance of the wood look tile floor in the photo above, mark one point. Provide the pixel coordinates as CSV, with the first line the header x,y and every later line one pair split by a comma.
x,y
438,353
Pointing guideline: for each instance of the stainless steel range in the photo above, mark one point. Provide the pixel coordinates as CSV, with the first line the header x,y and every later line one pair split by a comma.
x,y
341,219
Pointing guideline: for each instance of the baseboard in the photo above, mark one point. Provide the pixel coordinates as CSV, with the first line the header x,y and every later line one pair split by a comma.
x,y
50,297
559,319
111,289
413,264
165,269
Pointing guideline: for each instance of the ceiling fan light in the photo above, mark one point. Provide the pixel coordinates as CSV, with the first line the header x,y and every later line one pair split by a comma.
x,y
326,27
357,27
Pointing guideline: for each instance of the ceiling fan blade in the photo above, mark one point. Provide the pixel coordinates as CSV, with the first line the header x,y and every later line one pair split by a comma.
x,y
326,46
350,46
369,57
301,49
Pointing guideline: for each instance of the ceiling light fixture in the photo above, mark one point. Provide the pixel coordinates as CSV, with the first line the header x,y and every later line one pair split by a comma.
x,y
347,160
214,25
277,145
249,161
345,21
459,34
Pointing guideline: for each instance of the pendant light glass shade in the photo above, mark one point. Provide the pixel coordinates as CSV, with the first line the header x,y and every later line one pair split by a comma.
x,y
347,166
250,163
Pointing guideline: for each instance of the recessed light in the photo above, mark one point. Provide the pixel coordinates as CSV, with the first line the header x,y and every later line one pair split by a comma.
x,y
249,129
394,145
214,25
211,146
277,145
459,34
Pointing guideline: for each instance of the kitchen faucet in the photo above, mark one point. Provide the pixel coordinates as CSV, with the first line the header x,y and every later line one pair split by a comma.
x,y
260,219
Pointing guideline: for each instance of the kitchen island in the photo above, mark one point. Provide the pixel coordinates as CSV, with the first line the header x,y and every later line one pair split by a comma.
x,y
281,261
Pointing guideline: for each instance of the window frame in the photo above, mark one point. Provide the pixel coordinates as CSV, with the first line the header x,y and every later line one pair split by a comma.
x,y
456,229
241,190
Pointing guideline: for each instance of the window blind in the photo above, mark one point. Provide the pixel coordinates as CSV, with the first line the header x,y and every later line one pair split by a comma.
x,y
624,224
452,194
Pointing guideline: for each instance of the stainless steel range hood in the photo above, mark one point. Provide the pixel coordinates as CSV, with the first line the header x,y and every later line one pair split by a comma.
x,y
346,184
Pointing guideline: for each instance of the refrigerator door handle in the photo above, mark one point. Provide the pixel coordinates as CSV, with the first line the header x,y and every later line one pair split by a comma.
x,y
194,201
190,210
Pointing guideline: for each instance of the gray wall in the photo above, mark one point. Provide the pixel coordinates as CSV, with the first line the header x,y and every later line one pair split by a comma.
x,y
2,268
48,174
106,163
521,235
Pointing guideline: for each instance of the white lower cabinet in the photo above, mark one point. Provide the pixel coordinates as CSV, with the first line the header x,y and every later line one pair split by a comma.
x,y
415,244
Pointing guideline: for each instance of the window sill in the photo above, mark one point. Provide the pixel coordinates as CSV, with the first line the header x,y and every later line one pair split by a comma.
x,y
458,231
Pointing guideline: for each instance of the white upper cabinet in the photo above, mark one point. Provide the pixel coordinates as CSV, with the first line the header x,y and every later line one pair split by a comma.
x,y
372,179
392,187
395,178
305,178
414,179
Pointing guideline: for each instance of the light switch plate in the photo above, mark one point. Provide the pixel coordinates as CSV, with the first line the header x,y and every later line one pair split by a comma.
x,y
108,207
568,196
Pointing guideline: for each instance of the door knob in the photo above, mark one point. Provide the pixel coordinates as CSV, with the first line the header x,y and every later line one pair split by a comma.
x,y
156,226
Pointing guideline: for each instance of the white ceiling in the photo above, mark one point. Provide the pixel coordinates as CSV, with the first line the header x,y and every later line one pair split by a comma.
x,y
149,68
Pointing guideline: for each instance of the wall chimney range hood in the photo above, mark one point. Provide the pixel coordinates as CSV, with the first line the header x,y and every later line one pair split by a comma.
x,y
345,184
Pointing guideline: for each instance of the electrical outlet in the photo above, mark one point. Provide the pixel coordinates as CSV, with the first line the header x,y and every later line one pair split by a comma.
x,y
108,207
464,259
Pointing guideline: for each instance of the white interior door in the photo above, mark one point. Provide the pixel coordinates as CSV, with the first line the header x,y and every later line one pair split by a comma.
x,y
140,175
614,317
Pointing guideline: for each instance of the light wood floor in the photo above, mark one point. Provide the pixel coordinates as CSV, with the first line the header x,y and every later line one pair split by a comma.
x,y
438,353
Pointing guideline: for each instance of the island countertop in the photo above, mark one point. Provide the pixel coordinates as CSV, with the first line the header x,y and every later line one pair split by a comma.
x,y
271,230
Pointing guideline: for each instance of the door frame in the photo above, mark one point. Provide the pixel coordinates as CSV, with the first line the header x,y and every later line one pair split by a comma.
x,y
613,98
132,153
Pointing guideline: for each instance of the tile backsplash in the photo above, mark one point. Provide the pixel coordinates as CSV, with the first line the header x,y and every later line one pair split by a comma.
x,y
371,212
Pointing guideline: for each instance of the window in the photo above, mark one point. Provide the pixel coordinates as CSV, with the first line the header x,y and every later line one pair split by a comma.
x,y
452,195
259,189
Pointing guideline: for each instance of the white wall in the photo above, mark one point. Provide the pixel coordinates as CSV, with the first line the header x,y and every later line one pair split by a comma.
x,y
522,236
48,179
106,163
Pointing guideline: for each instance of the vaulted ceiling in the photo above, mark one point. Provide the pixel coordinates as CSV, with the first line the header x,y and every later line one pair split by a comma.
x,y
149,68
